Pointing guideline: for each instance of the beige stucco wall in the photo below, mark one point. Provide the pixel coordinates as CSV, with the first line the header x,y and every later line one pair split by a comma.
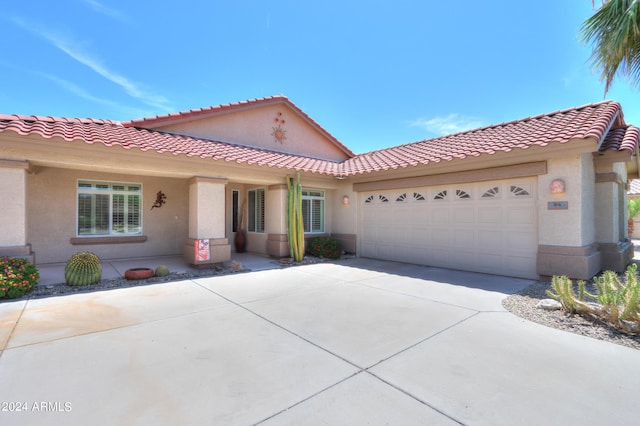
x,y
254,127
13,193
344,218
574,226
52,216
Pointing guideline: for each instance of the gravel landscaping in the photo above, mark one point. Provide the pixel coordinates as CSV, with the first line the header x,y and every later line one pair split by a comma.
x,y
523,304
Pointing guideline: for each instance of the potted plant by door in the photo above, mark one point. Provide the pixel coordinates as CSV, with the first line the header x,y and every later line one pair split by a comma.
x,y
240,240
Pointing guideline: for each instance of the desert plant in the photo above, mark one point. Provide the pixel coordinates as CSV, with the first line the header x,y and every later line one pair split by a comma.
x,y
83,268
326,247
565,294
633,205
162,271
295,222
17,277
617,302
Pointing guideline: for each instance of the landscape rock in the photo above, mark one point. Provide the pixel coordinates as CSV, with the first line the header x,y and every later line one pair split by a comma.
x,y
549,305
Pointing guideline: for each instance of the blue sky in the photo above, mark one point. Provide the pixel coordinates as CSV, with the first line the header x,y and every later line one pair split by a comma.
x,y
373,73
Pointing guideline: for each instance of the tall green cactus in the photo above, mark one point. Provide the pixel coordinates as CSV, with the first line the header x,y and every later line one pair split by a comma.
x,y
295,222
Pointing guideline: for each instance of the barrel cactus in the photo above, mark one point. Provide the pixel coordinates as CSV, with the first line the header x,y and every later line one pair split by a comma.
x,y
83,268
162,271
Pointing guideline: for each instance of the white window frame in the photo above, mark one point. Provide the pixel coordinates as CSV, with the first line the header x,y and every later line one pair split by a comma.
x,y
312,198
256,205
129,209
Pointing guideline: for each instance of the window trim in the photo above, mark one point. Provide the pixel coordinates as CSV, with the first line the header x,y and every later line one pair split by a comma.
x,y
306,196
257,227
110,192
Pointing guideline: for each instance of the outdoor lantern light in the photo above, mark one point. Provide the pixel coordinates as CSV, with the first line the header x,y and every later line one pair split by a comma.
x,y
345,200
557,186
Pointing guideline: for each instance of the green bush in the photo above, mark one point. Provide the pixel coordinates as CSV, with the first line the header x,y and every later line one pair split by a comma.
x,y
326,247
17,277
616,301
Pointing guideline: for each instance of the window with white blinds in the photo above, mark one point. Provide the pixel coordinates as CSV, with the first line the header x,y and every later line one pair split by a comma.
x,y
313,211
109,208
256,210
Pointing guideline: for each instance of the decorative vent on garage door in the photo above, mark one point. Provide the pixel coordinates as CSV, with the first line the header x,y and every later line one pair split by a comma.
x,y
372,198
491,192
442,195
518,191
402,198
462,195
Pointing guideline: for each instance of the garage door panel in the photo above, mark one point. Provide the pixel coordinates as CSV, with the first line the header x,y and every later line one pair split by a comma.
x,y
489,227
464,215
463,238
520,215
520,240
490,240
490,215
439,237
439,215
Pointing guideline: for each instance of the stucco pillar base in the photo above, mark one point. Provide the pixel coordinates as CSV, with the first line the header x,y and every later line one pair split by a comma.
x,y
616,256
347,242
278,245
23,252
574,262
219,252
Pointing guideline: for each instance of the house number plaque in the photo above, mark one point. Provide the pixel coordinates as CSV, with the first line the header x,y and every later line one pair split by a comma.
x,y
557,205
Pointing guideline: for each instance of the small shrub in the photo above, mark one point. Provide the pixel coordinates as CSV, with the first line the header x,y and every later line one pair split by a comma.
x,y
326,247
17,277
617,302
162,271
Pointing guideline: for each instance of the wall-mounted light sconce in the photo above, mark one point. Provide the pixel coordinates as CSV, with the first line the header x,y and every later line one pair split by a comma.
x,y
557,186
345,200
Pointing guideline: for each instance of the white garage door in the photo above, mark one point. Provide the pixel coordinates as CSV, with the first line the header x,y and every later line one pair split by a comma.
x,y
485,227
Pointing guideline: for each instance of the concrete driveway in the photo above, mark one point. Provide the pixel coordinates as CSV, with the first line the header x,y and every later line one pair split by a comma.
x,y
352,343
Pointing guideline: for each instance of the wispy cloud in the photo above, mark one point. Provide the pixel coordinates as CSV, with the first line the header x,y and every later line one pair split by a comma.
x,y
452,123
74,49
105,10
83,93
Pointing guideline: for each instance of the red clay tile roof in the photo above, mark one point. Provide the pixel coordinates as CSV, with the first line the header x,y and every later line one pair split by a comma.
x,y
153,122
594,120
112,133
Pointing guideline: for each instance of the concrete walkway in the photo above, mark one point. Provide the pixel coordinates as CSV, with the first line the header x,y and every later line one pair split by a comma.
x,y
351,343
53,273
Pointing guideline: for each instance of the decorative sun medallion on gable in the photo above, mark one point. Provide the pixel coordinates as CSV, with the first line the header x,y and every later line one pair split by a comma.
x,y
279,134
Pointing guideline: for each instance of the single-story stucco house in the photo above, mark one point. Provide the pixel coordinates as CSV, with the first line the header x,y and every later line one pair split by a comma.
x,y
539,196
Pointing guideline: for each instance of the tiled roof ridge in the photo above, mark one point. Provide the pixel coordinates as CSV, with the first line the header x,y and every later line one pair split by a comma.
x,y
204,110
232,144
52,119
140,122
503,124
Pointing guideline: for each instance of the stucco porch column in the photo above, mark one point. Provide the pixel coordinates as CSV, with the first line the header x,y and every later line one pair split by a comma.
x,y
207,243
13,214
277,240
611,224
